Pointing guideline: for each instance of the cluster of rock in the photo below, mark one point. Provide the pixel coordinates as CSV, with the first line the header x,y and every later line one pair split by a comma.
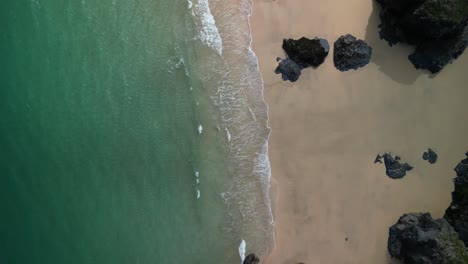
x,y
438,28
419,239
394,168
349,53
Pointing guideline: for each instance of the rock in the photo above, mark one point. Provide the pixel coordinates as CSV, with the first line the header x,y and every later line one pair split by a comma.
x,y
419,239
351,53
289,70
307,52
251,259
436,27
394,168
435,55
378,159
430,156
457,213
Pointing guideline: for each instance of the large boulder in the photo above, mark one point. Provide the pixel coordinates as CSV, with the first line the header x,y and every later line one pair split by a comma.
x,y
436,27
351,53
307,52
251,259
457,213
290,71
419,239
394,168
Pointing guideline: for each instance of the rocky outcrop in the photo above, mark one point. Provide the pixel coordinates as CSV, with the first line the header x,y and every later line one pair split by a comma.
x,y
290,71
251,259
351,53
419,239
430,156
438,28
307,52
457,213
394,168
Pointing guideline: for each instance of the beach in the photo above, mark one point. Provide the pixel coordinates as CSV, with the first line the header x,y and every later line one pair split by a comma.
x,y
331,203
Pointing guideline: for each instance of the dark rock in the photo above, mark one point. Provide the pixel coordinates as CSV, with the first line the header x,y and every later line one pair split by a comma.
x,y
394,168
289,70
307,52
351,53
435,55
430,156
457,213
437,27
251,259
419,239
378,159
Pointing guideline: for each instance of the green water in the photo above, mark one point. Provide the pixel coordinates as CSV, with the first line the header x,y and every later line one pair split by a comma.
x,y
98,136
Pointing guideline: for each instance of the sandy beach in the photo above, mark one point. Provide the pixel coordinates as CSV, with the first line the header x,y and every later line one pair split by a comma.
x,y
331,203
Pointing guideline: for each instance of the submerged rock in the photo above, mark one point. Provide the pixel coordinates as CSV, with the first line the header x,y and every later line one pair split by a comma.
x,y
394,168
307,52
419,239
351,53
290,71
436,27
251,259
430,156
457,213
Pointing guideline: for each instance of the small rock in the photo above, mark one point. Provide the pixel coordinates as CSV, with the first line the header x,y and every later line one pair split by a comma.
x,y
351,53
289,70
378,159
251,259
430,156
307,52
394,168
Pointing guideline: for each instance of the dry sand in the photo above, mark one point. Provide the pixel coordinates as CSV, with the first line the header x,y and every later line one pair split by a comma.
x,y
328,127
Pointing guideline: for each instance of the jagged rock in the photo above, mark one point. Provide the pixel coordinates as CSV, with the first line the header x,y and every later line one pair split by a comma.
x,y
435,55
430,156
289,70
378,159
437,27
307,52
419,239
251,259
394,168
457,213
351,53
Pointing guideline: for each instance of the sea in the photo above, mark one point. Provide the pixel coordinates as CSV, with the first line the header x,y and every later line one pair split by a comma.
x,y
131,131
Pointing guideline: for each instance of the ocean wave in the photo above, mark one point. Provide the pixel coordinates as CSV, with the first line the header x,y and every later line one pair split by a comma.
x,y
208,32
244,116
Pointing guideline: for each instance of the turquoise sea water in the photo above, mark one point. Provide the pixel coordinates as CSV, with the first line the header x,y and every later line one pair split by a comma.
x,y
102,159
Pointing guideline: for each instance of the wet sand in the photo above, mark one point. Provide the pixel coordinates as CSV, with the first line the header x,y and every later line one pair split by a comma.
x,y
328,127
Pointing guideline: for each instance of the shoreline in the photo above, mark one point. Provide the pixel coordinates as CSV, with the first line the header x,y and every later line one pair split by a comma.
x,y
330,203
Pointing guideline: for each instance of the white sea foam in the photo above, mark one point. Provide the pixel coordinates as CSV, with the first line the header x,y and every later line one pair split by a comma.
x,y
190,4
242,250
228,134
234,83
200,129
198,194
208,32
